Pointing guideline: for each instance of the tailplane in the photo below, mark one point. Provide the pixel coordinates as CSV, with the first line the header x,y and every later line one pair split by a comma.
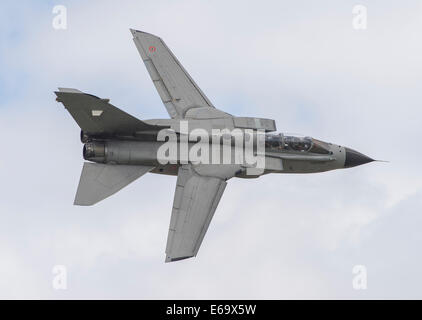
x,y
99,181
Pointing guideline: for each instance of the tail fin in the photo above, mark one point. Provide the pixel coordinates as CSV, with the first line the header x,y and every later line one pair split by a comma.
x,y
99,181
98,116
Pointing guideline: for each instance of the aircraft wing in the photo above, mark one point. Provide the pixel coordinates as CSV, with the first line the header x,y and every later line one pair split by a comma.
x,y
195,201
177,89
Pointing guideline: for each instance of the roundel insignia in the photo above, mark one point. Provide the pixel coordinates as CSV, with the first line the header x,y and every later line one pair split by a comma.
x,y
152,49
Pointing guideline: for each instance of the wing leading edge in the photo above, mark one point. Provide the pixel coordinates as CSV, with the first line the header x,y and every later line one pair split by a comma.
x,y
195,201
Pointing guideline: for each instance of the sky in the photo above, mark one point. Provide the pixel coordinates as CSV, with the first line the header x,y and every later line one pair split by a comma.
x,y
300,63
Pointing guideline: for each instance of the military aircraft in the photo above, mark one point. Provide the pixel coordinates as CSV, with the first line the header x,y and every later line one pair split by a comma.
x,y
121,148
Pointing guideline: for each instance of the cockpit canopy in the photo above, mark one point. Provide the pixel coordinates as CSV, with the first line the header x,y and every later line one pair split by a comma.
x,y
281,142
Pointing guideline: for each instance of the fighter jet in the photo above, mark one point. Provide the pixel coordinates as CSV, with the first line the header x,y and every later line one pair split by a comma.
x,y
119,148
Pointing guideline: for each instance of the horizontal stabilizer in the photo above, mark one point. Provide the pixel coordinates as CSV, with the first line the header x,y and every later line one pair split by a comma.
x,y
99,181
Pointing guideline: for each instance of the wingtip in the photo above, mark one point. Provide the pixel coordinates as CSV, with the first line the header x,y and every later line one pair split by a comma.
x,y
134,32
170,259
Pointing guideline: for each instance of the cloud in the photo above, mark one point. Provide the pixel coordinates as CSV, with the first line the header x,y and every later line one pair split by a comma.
x,y
280,236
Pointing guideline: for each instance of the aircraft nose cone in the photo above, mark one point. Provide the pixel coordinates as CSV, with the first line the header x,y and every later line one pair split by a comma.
x,y
354,158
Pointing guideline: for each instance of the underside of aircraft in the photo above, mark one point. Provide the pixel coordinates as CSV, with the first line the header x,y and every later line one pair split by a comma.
x,y
120,148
